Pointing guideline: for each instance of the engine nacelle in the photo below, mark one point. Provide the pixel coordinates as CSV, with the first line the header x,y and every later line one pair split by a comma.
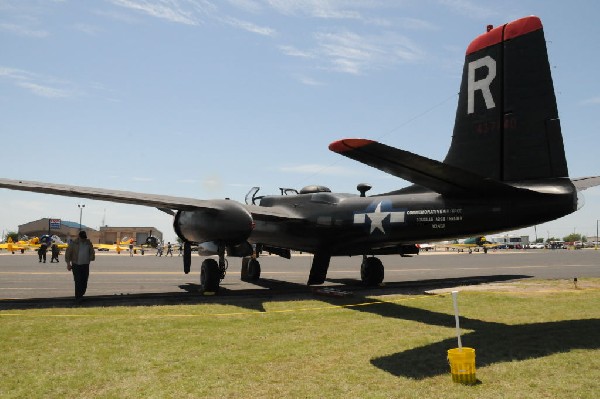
x,y
212,248
228,223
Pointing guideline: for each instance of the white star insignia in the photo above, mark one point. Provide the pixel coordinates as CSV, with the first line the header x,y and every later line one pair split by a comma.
x,y
377,218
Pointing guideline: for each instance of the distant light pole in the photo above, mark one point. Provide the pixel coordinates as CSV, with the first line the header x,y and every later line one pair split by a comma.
x,y
596,246
80,213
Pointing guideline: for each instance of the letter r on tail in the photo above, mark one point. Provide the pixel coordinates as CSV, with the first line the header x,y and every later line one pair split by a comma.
x,y
482,84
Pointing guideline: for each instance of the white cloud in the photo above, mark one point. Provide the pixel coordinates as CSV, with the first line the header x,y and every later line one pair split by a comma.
x,y
469,8
309,81
352,53
21,30
294,52
183,12
328,9
246,5
39,85
250,27
87,29
45,91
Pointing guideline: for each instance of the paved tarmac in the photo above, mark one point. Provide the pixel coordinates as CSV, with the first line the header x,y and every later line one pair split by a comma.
x,y
122,280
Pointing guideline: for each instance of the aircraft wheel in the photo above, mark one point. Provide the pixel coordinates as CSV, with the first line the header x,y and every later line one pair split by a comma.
x,y
371,271
253,270
209,275
485,250
187,257
244,271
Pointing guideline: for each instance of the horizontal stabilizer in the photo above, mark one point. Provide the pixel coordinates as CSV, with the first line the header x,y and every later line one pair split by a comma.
x,y
437,176
582,183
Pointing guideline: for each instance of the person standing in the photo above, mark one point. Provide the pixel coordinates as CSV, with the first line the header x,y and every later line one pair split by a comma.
x,y
43,249
55,252
78,256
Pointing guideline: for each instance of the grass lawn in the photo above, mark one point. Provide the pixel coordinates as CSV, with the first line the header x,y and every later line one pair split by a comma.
x,y
540,340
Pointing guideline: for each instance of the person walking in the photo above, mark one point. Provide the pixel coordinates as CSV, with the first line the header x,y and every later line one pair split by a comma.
x,y
169,249
55,252
78,256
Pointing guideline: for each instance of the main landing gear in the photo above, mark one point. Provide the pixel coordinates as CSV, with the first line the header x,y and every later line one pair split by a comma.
x,y
250,269
212,272
371,271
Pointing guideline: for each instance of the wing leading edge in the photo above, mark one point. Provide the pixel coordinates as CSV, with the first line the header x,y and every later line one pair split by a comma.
x,y
162,202
437,176
583,183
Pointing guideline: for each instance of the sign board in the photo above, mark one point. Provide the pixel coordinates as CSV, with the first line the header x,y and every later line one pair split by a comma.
x,y
54,223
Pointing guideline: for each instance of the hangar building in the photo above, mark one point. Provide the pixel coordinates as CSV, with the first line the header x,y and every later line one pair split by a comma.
x,y
68,231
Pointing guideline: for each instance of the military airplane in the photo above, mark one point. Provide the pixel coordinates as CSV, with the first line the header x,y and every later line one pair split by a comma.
x,y
505,169
123,245
11,246
475,242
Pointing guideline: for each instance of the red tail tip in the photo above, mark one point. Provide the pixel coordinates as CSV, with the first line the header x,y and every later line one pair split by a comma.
x,y
348,144
501,33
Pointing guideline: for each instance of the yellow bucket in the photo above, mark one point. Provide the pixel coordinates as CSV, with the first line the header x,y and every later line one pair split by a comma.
x,y
462,365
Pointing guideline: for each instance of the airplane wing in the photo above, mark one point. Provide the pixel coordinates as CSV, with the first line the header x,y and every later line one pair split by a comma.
x,y
126,197
435,175
162,202
13,246
583,183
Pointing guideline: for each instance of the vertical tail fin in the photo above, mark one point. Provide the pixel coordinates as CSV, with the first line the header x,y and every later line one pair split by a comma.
x,y
507,125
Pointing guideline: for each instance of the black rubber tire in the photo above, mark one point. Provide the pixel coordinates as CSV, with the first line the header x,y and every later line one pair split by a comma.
x,y
209,275
244,271
187,257
253,270
371,271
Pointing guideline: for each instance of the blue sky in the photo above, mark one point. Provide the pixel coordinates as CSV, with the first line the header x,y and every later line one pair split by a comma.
x,y
205,99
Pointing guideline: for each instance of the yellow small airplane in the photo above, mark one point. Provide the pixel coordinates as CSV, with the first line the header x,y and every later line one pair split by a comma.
x,y
33,244
475,242
122,245
11,246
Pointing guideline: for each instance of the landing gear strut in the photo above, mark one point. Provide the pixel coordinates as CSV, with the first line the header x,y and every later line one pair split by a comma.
x,y
371,271
212,272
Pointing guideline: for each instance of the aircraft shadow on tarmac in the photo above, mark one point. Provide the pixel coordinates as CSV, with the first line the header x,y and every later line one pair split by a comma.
x,y
253,298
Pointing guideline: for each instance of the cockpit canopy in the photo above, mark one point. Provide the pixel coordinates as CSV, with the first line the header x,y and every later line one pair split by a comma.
x,y
314,189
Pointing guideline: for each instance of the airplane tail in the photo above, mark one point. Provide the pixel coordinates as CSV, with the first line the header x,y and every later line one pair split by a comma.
x,y
507,126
